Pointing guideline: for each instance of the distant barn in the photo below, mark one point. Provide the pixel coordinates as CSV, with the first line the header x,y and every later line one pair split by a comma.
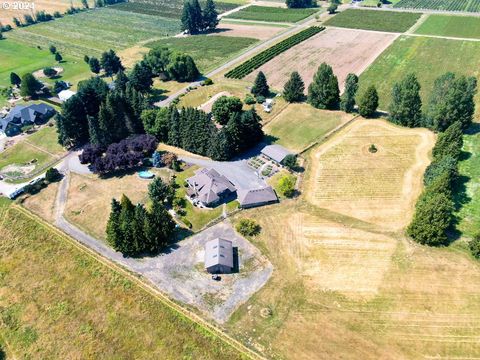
x,y
219,256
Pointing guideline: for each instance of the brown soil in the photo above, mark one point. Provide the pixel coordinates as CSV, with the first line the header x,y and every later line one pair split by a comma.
x,y
251,31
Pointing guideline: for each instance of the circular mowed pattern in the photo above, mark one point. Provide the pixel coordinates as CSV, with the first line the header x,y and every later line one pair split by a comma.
x,y
380,187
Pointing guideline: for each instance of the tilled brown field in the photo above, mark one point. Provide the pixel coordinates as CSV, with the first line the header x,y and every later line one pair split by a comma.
x,y
254,31
346,50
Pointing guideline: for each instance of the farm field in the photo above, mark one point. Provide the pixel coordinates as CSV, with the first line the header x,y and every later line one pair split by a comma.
x,y
92,32
236,29
22,58
343,49
469,184
42,301
428,58
446,5
379,188
455,26
374,20
299,125
170,8
50,6
272,14
209,52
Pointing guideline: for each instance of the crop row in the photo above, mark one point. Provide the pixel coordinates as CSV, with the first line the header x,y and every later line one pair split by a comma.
x,y
446,5
265,56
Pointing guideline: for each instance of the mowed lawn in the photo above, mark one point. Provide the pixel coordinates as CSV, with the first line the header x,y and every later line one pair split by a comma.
x,y
22,58
272,14
374,20
447,25
468,187
427,57
47,139
91,32
208,52
60,303
299,125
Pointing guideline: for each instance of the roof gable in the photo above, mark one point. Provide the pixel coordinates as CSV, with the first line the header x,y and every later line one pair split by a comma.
x,y
219,252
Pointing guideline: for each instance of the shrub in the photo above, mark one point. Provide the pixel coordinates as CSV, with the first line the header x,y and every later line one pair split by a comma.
x,y
249,99
248,227
52,175
208,82
49,72
261,99
290,161
474,246
286,185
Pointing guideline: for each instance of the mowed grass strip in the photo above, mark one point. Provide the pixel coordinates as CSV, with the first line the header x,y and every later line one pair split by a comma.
x,y
23,58
447,25
60,303
427,57
91,32
300,125
272,14
374,20
208,52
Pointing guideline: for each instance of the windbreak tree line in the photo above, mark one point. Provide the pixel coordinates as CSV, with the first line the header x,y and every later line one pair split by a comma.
x,y
196,20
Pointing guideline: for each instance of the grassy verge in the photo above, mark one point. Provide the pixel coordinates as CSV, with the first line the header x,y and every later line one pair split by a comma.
x,y
46,313
273,14
447,25
374,20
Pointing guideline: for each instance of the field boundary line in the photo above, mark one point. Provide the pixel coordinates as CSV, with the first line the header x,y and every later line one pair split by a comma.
x,y
417,24
199,321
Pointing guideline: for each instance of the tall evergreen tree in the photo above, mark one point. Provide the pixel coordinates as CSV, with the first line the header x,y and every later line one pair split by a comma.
x,y
450,142
121,81
72,123
111,63
94,65
406,105
15,79
29,85
294,88
174,127
210,16
347,102
260,86
452,100
192,19
114,233
92,92
161,192
368,103
159,227
141,77
323,92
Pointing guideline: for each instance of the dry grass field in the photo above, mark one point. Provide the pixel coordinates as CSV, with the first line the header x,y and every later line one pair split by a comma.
x,y
50,6
380,187
260,32
43,203
344,49
89,199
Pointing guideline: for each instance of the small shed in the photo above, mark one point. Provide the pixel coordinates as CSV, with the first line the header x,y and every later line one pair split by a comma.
x,y
64,95
275,152
219,256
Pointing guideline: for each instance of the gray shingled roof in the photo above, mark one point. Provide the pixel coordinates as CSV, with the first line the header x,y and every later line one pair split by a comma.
x,y
256,196
25,113
209,184
276,152
218,252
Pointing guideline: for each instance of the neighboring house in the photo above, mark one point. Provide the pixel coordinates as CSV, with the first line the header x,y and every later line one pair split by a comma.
x,y
219,256
276,153
256,197
209,188
64,95
22,115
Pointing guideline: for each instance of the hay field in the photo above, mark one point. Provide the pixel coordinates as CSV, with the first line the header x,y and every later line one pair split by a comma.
x,y
380,187
257,31
455,26
347,51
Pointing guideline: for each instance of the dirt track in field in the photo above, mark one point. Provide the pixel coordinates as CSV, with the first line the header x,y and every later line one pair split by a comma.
x,y
346,50
380,188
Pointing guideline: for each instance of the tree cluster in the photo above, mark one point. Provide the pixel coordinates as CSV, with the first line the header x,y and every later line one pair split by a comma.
x,y
295,4
168,65
434,210
109,62
29,85
99,115
193,130
126,154
196,20
133,230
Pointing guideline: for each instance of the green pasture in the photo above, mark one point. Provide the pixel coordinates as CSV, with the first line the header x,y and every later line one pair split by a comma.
x,y
454,26
273,14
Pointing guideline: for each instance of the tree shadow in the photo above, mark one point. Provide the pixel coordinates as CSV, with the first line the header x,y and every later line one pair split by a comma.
x,y
473,129
236,261
158,95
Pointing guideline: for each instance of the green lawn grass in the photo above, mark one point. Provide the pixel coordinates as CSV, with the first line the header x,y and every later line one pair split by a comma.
x,y
299,125
427,57
273,14
91,32
447,25
374,20
469,185
22,58
47,139
208,52
60,303
22,153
